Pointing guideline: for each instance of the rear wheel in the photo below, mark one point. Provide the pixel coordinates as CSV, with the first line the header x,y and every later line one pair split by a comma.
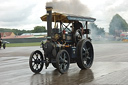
x,y
85,54
36,61
62,61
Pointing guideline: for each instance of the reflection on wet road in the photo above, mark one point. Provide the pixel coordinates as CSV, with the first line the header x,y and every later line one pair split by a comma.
x,y
55,78
15,71
110,68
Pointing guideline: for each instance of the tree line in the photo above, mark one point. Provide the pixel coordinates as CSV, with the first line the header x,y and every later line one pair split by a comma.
x,y
116,26
37,29
95,30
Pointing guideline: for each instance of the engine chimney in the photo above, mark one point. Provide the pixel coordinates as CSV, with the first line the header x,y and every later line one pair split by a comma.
x,y
49,21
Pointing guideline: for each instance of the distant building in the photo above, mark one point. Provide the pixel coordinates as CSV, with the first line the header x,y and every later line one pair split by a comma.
x,y
6,34
35,34
11,35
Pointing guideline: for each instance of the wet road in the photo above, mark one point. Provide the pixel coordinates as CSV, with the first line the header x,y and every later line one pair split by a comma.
x,y
110,67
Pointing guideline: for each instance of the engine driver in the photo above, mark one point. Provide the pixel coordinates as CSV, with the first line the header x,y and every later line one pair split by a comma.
x,y
77,25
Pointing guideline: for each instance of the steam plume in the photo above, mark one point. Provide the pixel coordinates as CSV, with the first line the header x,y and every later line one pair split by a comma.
x,y
69,6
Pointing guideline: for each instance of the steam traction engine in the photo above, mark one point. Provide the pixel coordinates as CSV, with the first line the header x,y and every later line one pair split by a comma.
x,y
63,45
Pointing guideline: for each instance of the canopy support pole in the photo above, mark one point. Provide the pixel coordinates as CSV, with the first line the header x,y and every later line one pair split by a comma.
x,y
86,29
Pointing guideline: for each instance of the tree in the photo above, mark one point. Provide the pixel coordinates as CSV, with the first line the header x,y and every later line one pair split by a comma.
x,y
15,31
36,29
96,31
117,25
39,29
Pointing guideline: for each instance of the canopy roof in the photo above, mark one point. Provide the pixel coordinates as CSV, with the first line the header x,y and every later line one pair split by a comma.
x,y
67,18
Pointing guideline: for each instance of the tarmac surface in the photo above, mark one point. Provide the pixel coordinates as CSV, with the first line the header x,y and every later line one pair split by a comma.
x,y
110,67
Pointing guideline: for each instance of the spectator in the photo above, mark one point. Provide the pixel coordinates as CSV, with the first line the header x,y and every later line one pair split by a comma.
x,y
0,43
4,45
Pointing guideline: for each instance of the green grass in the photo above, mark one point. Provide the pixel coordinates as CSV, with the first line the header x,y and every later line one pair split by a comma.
x,y
23,44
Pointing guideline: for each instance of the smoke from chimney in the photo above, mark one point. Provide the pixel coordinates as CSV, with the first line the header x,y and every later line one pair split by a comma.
x,y
69,6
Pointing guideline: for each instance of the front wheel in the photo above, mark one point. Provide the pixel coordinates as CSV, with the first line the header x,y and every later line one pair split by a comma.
x,y
36,61
85,54
62,61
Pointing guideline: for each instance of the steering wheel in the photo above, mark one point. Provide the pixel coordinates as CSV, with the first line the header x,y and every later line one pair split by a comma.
x,y
77,35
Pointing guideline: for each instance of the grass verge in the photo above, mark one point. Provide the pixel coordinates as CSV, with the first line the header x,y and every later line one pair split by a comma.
x,y
23,44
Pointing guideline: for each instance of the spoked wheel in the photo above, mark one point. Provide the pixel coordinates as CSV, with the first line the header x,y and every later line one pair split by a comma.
x,y
85,54
36,61
62,61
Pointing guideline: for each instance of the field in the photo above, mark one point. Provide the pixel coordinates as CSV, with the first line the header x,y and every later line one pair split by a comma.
x,y
23,44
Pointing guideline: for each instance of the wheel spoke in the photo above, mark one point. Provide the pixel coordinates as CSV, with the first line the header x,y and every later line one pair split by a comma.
x,y
64,56
84,58
65,66
36,56
60,66
60,59
33,58
88,49
36,66
84,49
83,52
66,61
85,63
33,65
88,57
61,56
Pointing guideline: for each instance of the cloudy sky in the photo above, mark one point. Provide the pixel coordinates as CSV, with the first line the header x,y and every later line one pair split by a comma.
x,y
25,14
